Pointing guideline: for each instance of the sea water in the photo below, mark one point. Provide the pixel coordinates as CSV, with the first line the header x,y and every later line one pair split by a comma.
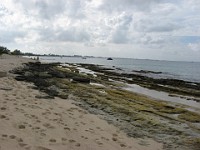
x,y
188,71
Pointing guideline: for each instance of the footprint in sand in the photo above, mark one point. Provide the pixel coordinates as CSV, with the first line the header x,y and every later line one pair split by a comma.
x,y
80,116
2,116
104,138
66,128
21,144
122,145
48,125
42,134
83,123
57,114
99,128
71,141
14,103
19,139
38,121
4,135
21,126
77,124
84,137
23,104
63,139
98,142
12,136
52,140
5,102
143,143
14,94
33,116
114,139
36,128
55,120
41,148
78,144
3,108
90,130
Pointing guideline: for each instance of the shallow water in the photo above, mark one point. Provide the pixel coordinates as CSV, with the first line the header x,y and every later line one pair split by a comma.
x,y
188,71
86,71
162,96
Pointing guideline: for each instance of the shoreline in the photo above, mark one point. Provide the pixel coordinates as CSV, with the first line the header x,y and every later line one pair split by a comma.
x,y
34,120
118,65
137,115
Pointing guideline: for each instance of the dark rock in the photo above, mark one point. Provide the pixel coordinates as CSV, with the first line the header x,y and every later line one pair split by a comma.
x,y
44,97
28,74
53,90
57,74
64,96
41,82
20,78
81,79
44,75
147,71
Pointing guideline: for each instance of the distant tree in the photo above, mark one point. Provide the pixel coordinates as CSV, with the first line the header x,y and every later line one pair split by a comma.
x,y
17,52
29,54
4,50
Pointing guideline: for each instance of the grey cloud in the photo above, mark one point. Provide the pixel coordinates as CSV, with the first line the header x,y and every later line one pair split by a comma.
x,y
49,9
3,11
46,34
156,25
121,32
73,35
151,40
9,36
119,37
75,9
167,27
119,5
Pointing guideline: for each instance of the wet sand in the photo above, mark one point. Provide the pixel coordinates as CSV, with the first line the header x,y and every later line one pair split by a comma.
x,y
30,122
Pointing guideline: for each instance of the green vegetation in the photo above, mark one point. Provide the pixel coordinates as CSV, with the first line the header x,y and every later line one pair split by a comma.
x,y
16,52
190,116
4,50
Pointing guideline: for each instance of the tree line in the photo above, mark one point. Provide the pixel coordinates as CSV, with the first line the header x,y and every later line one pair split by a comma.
x,y
5,50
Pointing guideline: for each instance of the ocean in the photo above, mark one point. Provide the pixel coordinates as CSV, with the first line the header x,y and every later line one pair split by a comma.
x,y
188,71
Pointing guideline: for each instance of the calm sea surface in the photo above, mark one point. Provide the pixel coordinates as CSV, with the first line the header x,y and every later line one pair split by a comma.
x,y
189,71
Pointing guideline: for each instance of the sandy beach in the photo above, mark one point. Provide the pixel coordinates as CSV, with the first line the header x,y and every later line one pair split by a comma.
x,y
31,123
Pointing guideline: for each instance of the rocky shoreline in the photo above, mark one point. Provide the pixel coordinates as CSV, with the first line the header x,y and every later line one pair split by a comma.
x,y
138,115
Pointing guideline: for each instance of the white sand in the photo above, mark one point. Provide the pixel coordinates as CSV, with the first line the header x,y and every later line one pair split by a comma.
x,y
42,124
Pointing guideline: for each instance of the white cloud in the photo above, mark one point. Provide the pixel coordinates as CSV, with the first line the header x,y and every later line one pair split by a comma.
x,y
102,27
194,46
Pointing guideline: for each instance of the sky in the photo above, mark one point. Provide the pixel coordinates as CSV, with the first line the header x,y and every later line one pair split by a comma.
x,y
146,29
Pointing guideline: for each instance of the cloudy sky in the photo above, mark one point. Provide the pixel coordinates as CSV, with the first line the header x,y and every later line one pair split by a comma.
x,y
150,29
